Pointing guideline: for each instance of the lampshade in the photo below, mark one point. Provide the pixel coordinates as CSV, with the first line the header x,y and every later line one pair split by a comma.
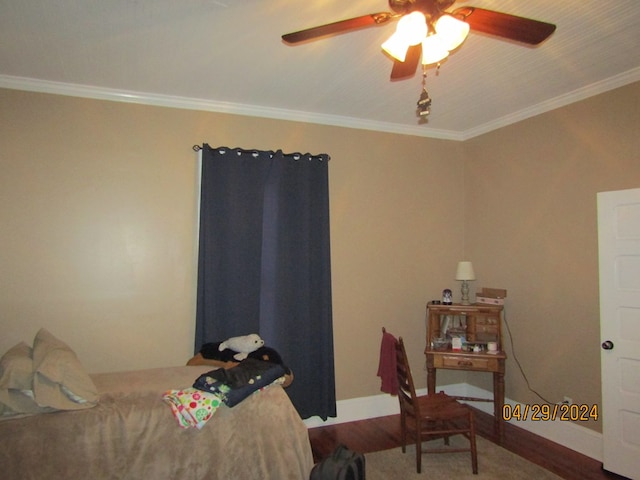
x,y
411,30
452,32
396,46
432,50
414,27
465,271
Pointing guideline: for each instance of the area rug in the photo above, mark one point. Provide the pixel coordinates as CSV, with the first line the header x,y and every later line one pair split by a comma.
x,y
494,462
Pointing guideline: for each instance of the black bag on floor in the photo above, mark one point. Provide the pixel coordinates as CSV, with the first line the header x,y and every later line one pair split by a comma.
x,y
342,464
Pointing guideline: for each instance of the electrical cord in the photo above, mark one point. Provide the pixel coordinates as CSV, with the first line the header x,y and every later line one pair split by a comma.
x,y
513,351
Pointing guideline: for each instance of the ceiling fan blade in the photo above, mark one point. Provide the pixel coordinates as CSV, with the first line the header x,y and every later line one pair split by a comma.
x,y
338,27
504,25
409,66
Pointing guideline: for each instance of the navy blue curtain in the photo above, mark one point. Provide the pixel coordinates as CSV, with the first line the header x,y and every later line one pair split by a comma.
x,y
264,263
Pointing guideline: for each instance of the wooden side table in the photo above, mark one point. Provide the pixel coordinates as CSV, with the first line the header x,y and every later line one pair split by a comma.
x,y
474,325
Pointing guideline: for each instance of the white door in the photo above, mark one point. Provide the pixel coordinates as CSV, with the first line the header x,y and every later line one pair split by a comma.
x,y
619,255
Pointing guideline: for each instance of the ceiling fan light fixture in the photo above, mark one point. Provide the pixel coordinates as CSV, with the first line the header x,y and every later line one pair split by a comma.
x,y
433,50
451,31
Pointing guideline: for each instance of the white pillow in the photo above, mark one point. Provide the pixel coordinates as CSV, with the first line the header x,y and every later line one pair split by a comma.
x,y
16,368
16,382
59,379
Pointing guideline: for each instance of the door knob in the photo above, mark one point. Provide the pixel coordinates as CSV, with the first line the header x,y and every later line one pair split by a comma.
x,y
607,345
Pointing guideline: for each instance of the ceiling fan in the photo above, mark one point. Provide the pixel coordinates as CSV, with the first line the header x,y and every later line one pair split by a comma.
x,y
438,31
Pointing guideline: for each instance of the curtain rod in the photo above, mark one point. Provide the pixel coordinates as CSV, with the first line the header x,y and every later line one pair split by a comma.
x,y
197,148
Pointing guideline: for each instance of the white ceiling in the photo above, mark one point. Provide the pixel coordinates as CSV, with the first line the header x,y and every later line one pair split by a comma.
x,y
227,55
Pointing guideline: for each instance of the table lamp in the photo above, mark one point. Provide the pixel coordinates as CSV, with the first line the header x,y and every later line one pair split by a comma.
x,y
465,273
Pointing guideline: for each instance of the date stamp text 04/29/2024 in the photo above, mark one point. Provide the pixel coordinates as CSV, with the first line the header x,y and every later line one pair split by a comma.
x,y
548,413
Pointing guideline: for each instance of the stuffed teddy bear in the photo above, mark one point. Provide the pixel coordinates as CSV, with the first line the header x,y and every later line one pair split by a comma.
x,y
244,345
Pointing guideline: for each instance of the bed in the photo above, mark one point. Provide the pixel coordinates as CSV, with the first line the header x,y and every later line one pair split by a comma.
x,y
131,433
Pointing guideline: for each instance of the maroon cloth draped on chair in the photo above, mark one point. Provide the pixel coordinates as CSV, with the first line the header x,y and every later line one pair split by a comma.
x,y
387,364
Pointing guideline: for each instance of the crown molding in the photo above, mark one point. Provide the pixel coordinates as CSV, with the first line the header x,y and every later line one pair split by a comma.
x,y
597,88
101,93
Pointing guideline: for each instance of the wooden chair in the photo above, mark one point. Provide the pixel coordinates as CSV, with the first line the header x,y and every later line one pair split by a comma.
x,y
427,417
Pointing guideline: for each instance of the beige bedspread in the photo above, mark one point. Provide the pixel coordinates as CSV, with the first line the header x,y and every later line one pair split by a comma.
x,y
132,434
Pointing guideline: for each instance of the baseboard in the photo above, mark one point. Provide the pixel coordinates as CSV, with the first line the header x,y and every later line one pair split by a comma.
x,y
568,434
361,408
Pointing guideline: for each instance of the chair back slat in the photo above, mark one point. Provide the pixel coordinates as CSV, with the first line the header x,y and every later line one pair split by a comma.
x,y
406,387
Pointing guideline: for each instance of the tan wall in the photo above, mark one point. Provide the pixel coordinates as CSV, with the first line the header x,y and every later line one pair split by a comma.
x,y
531,227
98,220
98,217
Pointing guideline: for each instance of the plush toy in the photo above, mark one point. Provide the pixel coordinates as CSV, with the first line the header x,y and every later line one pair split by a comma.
x,y
244,345
210,352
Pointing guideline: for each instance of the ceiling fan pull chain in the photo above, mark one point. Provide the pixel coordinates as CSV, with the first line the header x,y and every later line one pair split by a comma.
x,y
424,102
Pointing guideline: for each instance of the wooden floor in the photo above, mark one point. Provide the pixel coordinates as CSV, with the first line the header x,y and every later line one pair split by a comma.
x,y
383,433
